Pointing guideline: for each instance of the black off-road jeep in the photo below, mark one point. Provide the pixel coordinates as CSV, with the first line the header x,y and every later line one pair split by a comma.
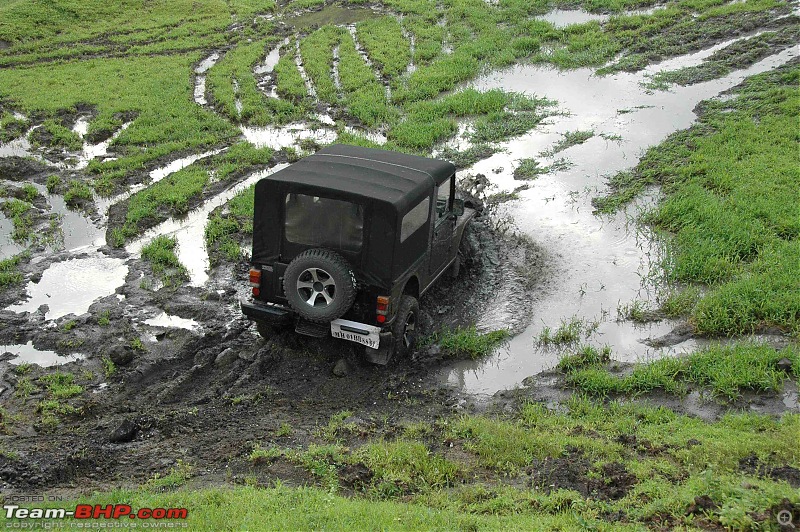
x,y
346,241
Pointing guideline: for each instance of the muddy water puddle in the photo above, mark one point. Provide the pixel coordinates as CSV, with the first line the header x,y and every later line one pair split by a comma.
x,y
72,285
190,230
200,78
561,18
99,150
27,354
279,136
77,229
601,262
172,322
8,248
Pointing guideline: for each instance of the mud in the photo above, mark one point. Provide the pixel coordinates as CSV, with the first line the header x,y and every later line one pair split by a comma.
x,y
187,368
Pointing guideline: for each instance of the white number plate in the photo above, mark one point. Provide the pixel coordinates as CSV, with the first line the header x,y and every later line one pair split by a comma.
x,y
351,330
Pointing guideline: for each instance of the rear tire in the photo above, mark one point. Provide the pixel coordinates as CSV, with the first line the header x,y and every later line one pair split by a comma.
x,y
320,285
405,328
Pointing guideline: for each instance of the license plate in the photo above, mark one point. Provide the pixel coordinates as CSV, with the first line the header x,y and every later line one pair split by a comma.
x,y
364,334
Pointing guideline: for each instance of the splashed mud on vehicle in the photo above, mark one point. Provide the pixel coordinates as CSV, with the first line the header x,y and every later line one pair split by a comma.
x,y
162,368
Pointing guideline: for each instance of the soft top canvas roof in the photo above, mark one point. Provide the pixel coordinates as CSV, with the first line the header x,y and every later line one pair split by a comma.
x,y
396,178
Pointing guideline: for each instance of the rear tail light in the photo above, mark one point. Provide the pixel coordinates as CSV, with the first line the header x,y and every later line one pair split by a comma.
x,y
255,277
382,308
255,281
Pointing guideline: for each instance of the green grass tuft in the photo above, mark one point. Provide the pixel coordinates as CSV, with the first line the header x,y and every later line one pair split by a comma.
x,y
468,342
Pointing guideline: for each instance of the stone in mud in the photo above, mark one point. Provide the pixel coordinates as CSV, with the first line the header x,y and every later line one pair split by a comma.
x,y
226,357
342,368
247,356
679,334
701,504
119,355
785,365
125,432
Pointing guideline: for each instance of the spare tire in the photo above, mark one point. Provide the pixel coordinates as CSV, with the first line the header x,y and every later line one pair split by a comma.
x,y
319,285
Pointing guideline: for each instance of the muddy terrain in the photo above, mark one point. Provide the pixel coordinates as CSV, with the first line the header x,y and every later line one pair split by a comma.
x,y
157,367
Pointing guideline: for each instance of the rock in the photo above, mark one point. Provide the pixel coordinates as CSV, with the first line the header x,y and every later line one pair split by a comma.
x,y
204,357
247,356
125,432
435,350
226,358
785,364
342,368
701,504
120,355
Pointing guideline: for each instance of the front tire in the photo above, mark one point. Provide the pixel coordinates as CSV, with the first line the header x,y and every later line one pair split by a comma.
x,y
405,328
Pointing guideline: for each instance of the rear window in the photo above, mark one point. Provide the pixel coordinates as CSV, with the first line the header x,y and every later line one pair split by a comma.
x,y
316,221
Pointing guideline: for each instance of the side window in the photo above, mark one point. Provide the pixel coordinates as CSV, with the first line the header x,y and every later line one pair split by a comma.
x,y
415,218
444,198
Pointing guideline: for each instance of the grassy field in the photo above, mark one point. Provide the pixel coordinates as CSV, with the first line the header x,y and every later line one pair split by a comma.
x,y
730,211
731,206
134,63
595,466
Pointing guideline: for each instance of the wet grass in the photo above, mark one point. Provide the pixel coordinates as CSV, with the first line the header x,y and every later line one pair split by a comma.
x,y
168,120
467,157
571,138
568,332
385,45
289,82
738,55
231,80
364,95
469,343
172,195
53,134
499,115
77,192
160,253
11,127
529,169
588,465
225,230
316,51
9,274
21,215
731,205
724,371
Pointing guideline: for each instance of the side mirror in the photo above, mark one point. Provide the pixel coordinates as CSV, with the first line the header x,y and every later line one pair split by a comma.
x,y
458,207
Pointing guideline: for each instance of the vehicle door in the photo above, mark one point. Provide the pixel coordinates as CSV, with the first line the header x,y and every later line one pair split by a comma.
x,y
443,226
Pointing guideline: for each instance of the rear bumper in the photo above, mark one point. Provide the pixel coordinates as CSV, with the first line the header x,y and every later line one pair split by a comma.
x,y
277,314
263,312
